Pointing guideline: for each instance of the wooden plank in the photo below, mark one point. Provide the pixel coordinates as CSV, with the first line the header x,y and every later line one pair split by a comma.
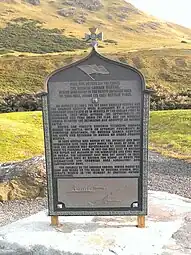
x,y
141,221
54,221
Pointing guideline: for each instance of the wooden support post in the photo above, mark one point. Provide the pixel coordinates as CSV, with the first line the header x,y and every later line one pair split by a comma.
x,y
54,221
141,221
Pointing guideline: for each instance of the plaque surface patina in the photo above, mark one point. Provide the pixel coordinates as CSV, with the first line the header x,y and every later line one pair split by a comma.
x,y
95,114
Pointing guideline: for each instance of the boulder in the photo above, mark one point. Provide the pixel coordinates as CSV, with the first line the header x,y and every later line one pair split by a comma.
x,y
67,12
24,179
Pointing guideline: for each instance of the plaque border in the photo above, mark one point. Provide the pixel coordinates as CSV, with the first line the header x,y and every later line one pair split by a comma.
x,y
143,179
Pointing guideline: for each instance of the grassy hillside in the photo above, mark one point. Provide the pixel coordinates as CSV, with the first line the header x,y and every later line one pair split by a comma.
x,y
168,68
22,135
119,20
29,36
31,28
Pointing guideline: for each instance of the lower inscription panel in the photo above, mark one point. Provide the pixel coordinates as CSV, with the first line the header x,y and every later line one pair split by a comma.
x,y
97,193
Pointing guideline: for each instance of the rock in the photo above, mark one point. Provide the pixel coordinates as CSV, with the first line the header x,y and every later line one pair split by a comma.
x,y
109,16
92,5
21,180
21,102
149,25
122,16
180,62
33,2
129,8
80,20
67,12
8,1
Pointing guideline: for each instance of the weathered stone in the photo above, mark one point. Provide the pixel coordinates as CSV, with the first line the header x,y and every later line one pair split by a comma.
x,y
80,20
33,2
150,25
21,180
92,5
180,62
67,12
109,16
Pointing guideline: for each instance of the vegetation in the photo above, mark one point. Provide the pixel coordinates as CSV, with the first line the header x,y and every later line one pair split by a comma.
x,y
159,101
161,51
29,36
22,134
167,72
170,133
119,20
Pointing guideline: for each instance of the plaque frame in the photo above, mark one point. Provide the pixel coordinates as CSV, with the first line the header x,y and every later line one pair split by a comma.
x,y
143,182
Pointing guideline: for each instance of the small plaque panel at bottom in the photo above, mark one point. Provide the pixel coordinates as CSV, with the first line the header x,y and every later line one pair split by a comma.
x,y
97,193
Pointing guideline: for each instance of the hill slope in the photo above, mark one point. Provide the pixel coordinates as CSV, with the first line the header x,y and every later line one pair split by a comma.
x,y
119,20
31,28
166,71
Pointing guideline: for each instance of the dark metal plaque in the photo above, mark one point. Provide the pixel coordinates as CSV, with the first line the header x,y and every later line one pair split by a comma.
x,y
95,120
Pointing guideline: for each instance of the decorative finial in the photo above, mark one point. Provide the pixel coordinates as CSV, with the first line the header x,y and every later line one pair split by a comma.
x,y
94,36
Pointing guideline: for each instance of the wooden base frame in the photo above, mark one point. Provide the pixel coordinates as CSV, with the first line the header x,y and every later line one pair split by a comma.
x,y
141,221
54,221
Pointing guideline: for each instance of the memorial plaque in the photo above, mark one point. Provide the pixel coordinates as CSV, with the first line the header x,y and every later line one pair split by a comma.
x,y
95,114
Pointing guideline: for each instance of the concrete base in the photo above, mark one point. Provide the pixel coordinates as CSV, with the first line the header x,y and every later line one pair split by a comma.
x,y
99,235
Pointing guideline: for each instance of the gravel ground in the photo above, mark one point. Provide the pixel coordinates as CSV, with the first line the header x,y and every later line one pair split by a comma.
x,y
165,174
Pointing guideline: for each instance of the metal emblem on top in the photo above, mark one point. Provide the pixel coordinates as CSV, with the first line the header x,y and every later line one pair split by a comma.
x,y
94,36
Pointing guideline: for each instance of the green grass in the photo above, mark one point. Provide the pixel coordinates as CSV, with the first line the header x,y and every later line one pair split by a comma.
x,y
168,68
22,134
170,133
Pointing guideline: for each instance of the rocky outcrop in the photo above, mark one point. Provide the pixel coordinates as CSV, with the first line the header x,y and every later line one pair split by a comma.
x,y
33,2
21,180
67,12
7,1
81,19
92,5
21,103
150,25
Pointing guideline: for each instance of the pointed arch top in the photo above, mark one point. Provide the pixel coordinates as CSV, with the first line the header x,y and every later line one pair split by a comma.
x,y
94,53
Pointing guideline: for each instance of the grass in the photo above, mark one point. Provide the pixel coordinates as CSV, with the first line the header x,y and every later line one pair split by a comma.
x,y
169,68
135,30
27,32
170,133
22,134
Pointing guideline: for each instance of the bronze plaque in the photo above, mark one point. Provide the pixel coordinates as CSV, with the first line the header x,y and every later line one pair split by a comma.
x,y
95,120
